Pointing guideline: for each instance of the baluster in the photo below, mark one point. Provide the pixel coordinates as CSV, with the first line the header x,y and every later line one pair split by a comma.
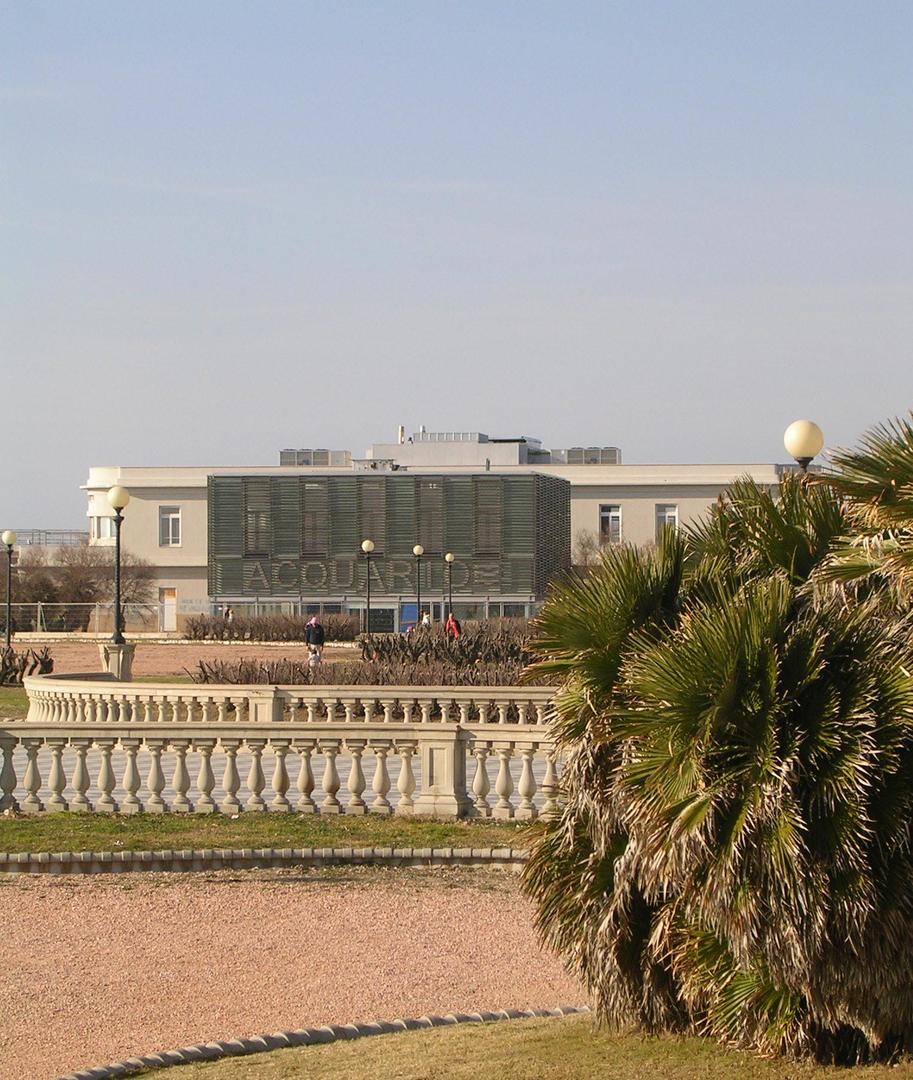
x,y
91,709
522,709
205,779
388,706
222,711
8,776
160,708
550,807
80,710
504,785
503,707
526,811
123,715
147,710
408,706
32,782
481,785
155,780
131,804
483,712
256,781
405,784
367,708
329,705
57,780
464,713
206,717
306,804
540,712
330,804
32,804
181,779
231,781
425,706
80,803
106,803
356,781
312,718
280,778
380,785
349,707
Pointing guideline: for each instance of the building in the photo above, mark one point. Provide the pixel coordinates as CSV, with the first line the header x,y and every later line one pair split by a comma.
x,y
288,537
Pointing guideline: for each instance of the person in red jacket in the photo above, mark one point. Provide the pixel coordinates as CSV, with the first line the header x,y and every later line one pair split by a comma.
x,y
452,627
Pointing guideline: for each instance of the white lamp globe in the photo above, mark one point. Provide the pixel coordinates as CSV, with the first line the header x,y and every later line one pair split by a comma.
x,y
8,538
118,497
449,557
803,439
367,546
418,551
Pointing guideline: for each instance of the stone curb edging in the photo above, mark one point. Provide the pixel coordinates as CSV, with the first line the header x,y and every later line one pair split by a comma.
x,y
99,862
279,1040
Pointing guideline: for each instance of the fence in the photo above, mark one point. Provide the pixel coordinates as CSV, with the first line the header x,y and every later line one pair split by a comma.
x,y
87,618
92,744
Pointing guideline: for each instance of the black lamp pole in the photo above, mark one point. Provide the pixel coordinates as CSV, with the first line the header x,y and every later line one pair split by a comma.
x,y
449,588
9,594
118,636
418,590
367,592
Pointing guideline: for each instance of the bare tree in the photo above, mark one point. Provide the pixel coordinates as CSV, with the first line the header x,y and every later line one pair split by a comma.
x,y
586,548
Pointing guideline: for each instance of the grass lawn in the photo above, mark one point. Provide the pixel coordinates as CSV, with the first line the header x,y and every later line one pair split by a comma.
x,y
13,703
566,1049
177,832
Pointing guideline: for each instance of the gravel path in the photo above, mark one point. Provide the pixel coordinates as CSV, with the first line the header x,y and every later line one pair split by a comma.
x,y
93,970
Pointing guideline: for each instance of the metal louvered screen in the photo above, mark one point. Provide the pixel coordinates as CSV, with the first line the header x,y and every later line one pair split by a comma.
x,y
301,536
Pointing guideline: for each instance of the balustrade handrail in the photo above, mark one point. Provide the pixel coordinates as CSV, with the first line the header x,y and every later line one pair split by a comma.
x,y
85,698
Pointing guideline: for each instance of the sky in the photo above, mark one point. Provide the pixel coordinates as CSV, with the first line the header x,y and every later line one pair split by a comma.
x,y
229,228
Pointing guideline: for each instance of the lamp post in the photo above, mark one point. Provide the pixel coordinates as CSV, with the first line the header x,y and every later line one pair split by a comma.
x,y
9,539
118,497
367,546
803,439
448,558
418,551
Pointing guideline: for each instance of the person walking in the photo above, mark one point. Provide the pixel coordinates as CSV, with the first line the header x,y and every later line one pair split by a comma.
x,y
425,620
314,636
452,627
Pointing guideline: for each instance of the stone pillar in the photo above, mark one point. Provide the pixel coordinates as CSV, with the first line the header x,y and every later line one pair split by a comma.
x,y
118,659
443,756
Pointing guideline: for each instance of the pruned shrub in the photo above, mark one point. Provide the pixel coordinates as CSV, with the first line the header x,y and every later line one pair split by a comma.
x,y
15,666
354,673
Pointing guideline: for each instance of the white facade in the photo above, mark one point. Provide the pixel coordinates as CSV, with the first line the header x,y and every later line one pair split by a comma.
x,y
166,520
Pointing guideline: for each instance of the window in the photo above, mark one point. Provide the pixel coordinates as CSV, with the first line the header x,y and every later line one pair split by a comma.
x,y
666,515
102,528
169,526
609,524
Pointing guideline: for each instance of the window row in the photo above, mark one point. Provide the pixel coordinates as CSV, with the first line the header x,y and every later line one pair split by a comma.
x,y
610,523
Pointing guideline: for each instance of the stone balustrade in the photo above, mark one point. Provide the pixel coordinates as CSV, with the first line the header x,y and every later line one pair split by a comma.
x,y
94,744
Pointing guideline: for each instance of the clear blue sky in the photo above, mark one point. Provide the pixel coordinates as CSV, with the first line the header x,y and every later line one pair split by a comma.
x,y
232,227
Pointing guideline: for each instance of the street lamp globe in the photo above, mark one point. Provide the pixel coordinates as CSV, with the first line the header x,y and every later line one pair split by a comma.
x,y
118,497
418,551
803,439
449,557
9,538
367,546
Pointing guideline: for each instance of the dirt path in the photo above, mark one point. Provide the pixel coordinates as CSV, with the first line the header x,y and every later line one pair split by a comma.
x,y
94,970
153,658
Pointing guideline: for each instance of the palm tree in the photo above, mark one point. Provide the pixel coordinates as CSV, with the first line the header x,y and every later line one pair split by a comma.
x,y
732,853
